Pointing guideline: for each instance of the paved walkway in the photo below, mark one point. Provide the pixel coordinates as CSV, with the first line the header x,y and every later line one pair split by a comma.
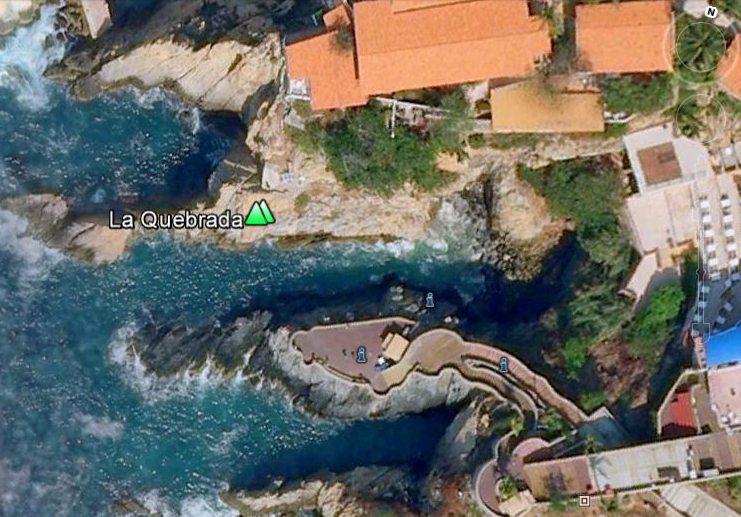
x,y
335,348
690,500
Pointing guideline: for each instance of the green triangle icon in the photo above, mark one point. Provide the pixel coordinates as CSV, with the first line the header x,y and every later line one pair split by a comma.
x,y
255,217
266,212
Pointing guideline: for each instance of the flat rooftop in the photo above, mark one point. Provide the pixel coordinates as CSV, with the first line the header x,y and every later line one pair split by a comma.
x,y
641,466
529,107
659,163
724,385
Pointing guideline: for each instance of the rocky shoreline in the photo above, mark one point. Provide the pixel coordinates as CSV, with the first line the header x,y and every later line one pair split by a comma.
x,y
230,58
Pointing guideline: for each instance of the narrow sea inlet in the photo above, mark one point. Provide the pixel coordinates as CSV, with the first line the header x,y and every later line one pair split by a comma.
x,y
82,425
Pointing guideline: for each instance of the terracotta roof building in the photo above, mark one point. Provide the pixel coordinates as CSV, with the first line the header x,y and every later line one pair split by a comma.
x,y
323,72
680,416
625,37
729,69
414,44
641,467
445,43
526,107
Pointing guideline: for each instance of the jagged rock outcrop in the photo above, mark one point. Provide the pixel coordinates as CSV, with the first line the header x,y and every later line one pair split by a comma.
x,y
217,77
50,220
257,346
316,389
193,23
17,12
353,494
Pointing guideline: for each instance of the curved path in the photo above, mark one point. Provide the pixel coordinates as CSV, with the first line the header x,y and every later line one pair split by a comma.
x,y
430,353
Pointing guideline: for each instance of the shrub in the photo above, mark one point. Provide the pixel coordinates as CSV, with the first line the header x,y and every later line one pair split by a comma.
x,y
552,423
303,108
344,40
301,202
591,400
590,194
477,141
655,324
507,488
628,95
446,134
575,353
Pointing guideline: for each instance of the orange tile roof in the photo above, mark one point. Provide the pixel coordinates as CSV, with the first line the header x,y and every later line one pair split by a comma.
x,y
729,69
338,16
408,5
330,72
447,44
626,37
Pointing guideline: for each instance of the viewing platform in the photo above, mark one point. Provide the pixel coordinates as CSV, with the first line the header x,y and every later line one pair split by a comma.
x,y
389,357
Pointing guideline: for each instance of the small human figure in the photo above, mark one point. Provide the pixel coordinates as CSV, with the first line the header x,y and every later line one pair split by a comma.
x,y
361,355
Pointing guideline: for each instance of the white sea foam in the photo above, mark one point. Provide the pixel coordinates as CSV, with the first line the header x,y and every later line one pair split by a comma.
x,y
191,382
26,54
196,506
103,427
36,258
149,98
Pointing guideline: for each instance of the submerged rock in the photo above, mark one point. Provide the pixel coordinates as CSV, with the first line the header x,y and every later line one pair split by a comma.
x,y
51,220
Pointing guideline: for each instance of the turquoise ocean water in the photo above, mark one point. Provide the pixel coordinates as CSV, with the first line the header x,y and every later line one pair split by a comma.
x,y
80,425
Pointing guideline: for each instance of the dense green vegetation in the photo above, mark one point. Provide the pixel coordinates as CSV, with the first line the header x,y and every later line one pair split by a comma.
x,y
629,95
553,424
700,46
447,134
507,488
362,154
591,400
590,193
732,7
575,353
655,324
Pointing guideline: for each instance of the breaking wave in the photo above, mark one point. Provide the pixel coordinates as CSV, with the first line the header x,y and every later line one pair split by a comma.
x,y
35,258
27,53
187,384
201,506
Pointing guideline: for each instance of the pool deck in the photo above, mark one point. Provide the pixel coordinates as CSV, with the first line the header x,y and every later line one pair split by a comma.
x,y
335,346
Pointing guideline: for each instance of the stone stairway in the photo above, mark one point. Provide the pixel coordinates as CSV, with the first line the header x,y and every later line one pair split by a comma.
x,y
690,500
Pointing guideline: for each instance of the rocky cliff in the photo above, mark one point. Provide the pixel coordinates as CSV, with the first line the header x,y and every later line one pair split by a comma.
x,y
257,346
50,220
218,77
358,493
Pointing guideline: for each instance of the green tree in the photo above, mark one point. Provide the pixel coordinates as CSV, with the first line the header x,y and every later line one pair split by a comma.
x,y
447,134
591,400
700,46
553,423
655,324
362,154
517,424
575,353
643,96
